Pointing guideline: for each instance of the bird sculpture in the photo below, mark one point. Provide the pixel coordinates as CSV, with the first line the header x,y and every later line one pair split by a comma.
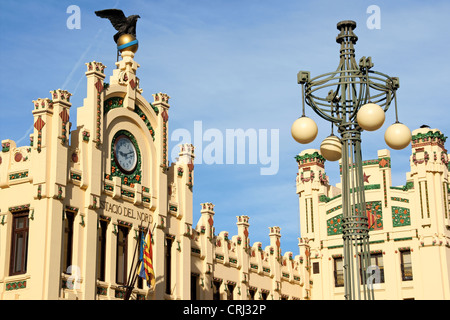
x,y
123,24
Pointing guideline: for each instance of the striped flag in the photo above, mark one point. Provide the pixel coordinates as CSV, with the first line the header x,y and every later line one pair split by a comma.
x,y
146,258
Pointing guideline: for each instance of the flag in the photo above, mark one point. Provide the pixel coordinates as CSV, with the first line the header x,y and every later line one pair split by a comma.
x,y
145,270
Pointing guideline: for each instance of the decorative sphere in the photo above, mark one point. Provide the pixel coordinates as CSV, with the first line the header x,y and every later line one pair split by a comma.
x,y
370,117
304,130
331,148
397,136
127,38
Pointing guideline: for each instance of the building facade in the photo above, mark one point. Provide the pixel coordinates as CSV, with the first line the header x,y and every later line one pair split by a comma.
x,y
75,202
409,225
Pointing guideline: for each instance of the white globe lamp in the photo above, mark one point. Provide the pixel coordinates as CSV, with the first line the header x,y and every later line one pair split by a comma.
x,y
397,136
370,117
331,148
304,130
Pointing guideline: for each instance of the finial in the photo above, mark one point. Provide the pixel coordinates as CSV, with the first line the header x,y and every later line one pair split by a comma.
x,y
346,27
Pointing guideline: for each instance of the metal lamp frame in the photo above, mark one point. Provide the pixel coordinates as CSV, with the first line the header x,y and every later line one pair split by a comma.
x,y
350,87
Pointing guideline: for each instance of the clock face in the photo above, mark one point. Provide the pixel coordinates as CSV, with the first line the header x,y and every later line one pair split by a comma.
x,y
125,154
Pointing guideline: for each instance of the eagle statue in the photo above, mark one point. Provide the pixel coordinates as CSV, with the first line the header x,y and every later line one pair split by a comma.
x,y
123,24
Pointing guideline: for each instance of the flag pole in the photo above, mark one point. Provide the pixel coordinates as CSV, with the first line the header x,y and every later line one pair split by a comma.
x,y
128,284
133,274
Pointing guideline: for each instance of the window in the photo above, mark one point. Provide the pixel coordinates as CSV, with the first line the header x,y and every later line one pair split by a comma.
x,y
230,288
405,265
338,272
194,281
121,259
252,292
375,268
68,241
216,290
19,243
316,269
263,295
377,260
101,250
168,265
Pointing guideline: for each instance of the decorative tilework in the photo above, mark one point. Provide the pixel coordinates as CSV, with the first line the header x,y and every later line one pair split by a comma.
x,y
401,217
127,193
19,208
428,137
16,285
101,291
125,223
324,198
5,147
384,188
375,215
444,192
334,225
146,199
119,294
73,209
144,118
426,196
75,176
18,175
384,162
400,199
310,158
373,211
421,200
334,209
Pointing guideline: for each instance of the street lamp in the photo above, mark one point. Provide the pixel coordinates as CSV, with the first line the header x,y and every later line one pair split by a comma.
x,y
353,98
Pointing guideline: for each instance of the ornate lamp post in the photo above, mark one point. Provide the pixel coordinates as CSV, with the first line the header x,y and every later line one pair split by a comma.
x,y
353,98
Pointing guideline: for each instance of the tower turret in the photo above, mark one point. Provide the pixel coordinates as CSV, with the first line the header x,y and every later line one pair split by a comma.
x,y
311,182
429,171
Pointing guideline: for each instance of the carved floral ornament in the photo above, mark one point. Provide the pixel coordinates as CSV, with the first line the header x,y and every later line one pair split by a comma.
x,y
208,206
310,159
428,137
5,146
97,66
43,103
161,97
60,95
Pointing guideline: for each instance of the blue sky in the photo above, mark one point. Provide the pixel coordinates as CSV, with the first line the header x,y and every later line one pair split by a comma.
x,y
232,64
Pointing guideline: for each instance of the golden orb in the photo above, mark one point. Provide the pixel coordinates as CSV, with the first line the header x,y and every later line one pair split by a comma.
x,y
304,130
370,117
331,148
397,136
127,39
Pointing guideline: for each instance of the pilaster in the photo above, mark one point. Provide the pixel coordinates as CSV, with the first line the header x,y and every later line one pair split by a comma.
x,y
275,260
206,225
161,103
